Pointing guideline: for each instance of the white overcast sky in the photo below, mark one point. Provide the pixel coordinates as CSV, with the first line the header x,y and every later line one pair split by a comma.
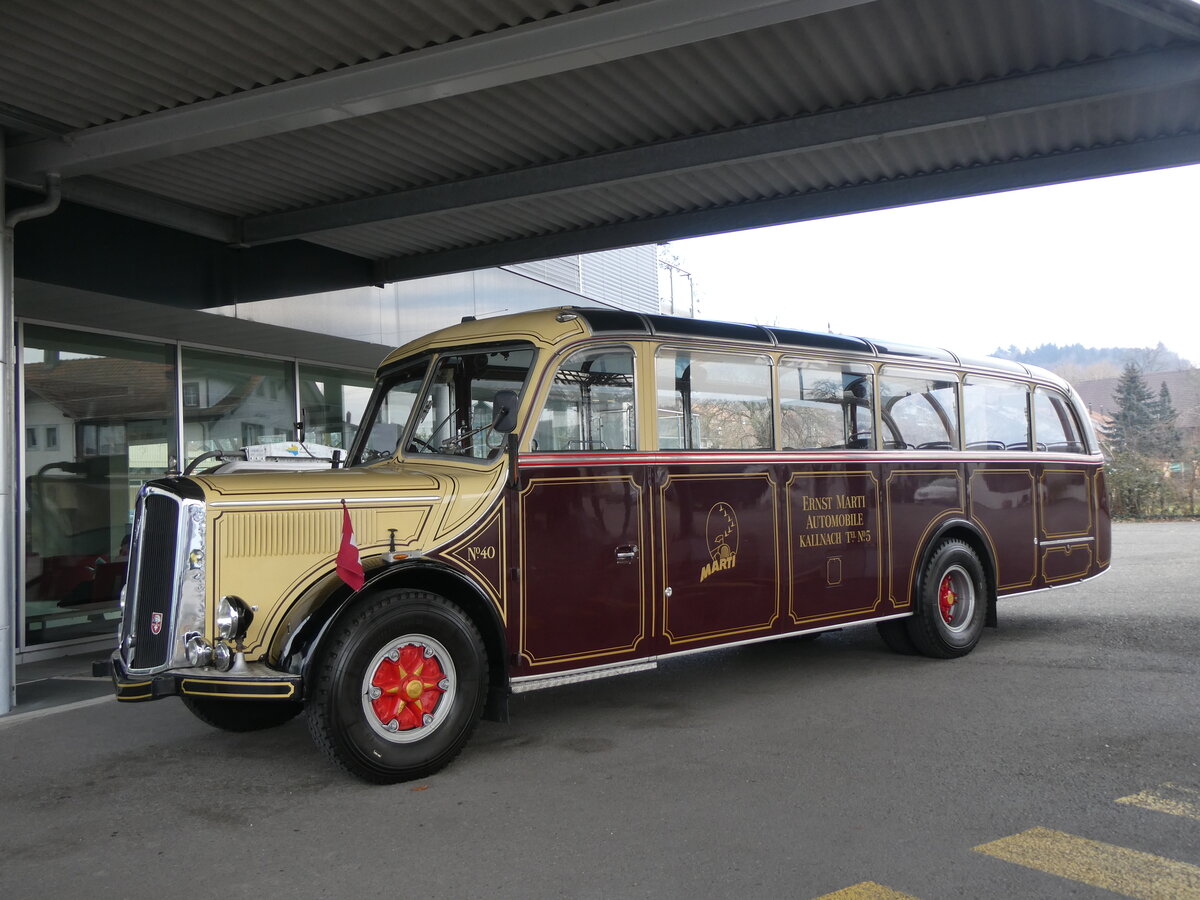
x,y
1112,262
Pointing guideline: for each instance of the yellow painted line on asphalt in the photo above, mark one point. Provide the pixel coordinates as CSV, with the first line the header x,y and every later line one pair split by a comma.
x,y
867,890
1117,869
1172,799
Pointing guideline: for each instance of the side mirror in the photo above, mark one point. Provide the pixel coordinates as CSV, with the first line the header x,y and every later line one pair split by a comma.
x,y
504,411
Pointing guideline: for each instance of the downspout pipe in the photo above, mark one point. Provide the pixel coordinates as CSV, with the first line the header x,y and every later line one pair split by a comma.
x,y
9,446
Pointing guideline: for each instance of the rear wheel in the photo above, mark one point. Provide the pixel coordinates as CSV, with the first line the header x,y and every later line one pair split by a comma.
x,y
951,602
241,715
399,687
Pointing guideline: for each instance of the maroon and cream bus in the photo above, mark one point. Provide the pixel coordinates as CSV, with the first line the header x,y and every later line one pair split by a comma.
x,y
574,493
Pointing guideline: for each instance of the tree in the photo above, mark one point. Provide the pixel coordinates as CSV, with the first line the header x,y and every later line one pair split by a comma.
x,y
1135,422
1168,438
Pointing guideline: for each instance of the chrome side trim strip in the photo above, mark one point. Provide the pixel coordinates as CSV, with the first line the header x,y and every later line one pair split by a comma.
x,y
1064,541
1054,587
554,679
225,504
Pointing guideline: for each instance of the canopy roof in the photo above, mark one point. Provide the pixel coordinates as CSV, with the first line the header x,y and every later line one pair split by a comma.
x,y
213,152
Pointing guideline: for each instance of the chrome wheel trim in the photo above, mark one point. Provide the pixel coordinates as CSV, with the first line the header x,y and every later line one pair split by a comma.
x,y
964,608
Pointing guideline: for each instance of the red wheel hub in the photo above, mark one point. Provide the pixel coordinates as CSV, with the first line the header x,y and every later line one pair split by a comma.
x,y
947,599
410,687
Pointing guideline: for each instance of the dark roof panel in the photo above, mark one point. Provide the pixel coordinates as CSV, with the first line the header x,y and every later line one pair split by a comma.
x,y
816,340
704,328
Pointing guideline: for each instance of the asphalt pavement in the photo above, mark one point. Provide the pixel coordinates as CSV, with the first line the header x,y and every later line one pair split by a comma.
x,y
1060,759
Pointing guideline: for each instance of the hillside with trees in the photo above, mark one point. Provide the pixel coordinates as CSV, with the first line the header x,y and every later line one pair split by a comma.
x,y
1145,405
1077,363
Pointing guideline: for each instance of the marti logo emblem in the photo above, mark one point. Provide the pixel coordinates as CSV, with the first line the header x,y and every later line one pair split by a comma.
x,y
155,623
722,532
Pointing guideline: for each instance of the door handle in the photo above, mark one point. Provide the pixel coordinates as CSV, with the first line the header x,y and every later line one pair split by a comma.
x,y
626,553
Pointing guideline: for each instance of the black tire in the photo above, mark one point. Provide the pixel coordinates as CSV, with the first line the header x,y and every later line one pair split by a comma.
x,y
241,715
952,630
895,634
385,735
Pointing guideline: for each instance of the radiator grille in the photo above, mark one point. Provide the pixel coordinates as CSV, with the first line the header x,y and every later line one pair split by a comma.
x,y
154,582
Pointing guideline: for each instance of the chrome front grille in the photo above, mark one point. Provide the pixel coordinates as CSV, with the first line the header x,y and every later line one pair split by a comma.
x,y
153,580
164,593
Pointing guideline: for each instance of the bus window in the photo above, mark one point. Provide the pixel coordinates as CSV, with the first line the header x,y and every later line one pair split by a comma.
x,y
457,415
825,405
713,401
1055,425
919,409
396,401
590,405
995,414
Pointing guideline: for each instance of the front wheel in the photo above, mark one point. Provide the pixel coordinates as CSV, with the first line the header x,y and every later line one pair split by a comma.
x,y
399,687
951,602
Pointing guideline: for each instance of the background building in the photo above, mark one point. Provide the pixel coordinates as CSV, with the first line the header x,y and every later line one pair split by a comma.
x,y
114,392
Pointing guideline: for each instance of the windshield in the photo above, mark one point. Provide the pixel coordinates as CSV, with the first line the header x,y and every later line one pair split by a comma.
x,y
443,405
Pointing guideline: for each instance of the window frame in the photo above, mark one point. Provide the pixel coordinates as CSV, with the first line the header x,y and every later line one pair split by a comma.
x,y
769,355
917,372
547,386
868,369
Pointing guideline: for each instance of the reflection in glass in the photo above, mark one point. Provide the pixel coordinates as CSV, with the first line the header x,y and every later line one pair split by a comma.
x,y
713,401
825,405
995,414
99,421
332,403
238,401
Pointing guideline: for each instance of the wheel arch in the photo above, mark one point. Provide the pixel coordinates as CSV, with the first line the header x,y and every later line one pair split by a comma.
x,y
301,651
973,537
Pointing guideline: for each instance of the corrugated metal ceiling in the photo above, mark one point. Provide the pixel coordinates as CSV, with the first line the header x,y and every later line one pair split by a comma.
x,y
429,135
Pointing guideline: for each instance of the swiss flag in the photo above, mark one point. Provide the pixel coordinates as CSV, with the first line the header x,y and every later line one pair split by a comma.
x,y
349,565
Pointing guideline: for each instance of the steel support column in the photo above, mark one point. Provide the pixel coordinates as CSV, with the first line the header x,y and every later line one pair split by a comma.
x,y
8,509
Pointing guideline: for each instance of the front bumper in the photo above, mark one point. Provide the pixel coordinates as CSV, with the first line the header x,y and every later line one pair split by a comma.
x,y
247,682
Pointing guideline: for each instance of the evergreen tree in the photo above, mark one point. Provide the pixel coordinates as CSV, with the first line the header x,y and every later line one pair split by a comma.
x,y
1169,440
1134,423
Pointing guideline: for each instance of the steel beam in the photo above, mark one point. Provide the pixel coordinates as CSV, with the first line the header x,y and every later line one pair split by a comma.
x,y
968,182
1180,17
562,43
908,115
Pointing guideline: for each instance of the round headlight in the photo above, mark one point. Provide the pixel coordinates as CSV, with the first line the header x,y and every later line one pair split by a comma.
x,y
199,652
233,618
223,656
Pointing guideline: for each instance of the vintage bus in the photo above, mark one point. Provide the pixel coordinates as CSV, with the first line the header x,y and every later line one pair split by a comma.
x,y
568,494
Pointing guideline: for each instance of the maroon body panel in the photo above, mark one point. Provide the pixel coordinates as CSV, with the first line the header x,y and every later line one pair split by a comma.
x,y
835,549
918,497
1002,504
718,553
581,558
634,556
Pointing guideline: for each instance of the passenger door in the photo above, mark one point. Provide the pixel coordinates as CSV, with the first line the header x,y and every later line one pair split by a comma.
x,y
581,521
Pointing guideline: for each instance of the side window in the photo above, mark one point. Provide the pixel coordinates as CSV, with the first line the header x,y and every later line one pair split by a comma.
x,y
995,414
825,405
713,401
590,405
1054,423
919,409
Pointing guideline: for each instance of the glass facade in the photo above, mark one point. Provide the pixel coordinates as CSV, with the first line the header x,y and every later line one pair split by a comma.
x,y
101,415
